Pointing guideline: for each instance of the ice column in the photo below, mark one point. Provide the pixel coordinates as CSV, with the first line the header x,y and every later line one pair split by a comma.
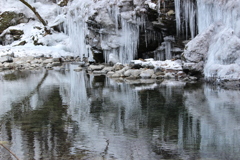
x,y
76,27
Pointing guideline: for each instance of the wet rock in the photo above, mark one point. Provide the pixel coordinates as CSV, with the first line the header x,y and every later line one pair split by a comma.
x,y
147,73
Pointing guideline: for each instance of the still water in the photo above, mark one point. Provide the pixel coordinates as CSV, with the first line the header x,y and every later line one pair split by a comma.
x,y
67,115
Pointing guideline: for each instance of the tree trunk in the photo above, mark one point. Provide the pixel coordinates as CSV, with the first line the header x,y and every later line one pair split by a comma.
x,y
34,11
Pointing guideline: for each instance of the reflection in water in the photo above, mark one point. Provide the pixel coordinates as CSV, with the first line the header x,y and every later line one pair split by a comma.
x,y
73,115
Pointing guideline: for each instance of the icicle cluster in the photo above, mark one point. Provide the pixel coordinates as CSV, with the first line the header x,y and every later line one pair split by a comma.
x,y
186,15
76,27
225,12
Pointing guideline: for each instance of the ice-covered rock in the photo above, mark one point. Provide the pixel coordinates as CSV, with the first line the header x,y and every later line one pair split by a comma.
x,y
196,51
95,67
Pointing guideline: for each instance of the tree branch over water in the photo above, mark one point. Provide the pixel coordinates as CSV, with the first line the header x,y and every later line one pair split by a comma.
x,y
9,151
37,15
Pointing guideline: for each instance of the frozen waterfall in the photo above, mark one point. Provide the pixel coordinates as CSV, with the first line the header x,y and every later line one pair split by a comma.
x,y
186,15
215,51
223,60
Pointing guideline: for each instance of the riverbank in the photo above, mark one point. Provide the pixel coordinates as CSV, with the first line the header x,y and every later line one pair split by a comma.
x,y
137,69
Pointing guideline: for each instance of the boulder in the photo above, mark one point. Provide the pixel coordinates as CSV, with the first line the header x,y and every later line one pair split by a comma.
x,y
9,18
95,67
196,51
6,59
132,72
118,66
147,73
107,69
78,69
46,61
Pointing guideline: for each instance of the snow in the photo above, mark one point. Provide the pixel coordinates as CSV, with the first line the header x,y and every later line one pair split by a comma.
x,y
56,44
167,64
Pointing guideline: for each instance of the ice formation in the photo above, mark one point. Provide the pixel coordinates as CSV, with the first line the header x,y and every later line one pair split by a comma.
x,y
223,60
185,13
218,43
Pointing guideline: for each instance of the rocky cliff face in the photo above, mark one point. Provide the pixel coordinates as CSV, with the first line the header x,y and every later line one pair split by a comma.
x,y
119,31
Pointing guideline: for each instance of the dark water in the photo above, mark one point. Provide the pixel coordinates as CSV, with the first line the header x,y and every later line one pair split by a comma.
x,y
67,115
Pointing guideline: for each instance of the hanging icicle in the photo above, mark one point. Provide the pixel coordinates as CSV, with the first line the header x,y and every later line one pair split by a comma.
x,y
186,16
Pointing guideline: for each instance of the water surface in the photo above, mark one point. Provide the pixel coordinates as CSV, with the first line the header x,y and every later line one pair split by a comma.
x,y
69,115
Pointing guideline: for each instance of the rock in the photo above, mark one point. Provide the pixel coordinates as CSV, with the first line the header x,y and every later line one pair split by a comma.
x,y
6,59
136,66
132,72
35,65
147,73
54,64
95,67
21,43
63,3
116,75
56,60
154,76
195,52
78,69
49,66
192,78
99,72
110,73
9,18
48,61
8,65
37,61
107,69
118,66
159,73
169,76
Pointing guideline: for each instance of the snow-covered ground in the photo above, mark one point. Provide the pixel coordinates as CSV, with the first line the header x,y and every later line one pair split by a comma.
x,y
57,44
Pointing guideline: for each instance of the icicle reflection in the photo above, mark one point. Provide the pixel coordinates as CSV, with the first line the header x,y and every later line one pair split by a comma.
x,y
66,114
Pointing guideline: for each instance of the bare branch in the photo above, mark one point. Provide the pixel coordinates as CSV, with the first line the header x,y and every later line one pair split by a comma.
x,y
35,12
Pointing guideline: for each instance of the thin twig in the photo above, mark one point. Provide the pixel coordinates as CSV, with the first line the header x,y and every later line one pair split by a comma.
x,y
10,151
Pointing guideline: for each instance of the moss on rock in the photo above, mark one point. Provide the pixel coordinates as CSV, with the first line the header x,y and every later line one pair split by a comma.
x,y
8,19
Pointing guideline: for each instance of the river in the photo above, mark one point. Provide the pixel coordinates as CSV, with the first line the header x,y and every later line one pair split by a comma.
x,y
67,115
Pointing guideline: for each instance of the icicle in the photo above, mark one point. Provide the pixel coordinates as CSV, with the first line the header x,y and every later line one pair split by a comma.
x,y
185,17
178,17
76,28
129,41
